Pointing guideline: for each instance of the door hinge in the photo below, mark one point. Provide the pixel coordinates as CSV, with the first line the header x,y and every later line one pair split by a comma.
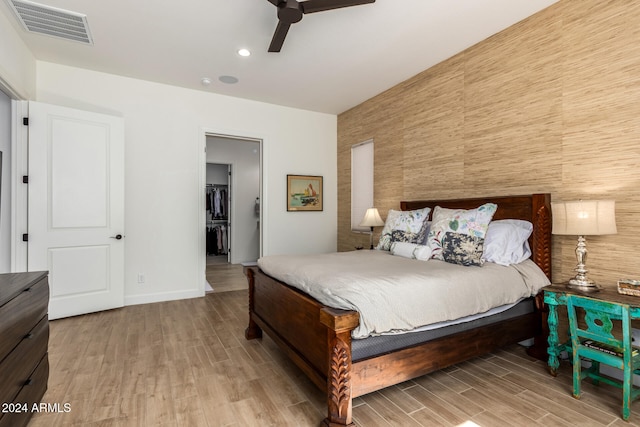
x,y
25,237
25,179
25,121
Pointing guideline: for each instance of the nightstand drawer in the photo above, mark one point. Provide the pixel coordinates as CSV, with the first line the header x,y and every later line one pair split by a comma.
x,y
18,315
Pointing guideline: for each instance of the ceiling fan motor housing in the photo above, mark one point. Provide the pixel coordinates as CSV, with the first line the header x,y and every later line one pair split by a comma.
x,y
290,12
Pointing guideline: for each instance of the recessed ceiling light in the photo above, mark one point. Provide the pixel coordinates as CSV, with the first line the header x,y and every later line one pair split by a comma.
x,y
206,81
244,52
228,79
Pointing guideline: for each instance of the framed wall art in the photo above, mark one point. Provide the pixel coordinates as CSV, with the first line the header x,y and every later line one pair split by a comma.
x,y
304,193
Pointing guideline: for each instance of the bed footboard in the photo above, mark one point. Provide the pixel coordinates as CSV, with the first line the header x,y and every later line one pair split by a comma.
x,y
315,337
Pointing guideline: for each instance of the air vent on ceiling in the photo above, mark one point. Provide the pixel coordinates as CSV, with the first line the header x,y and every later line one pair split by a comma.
x,y
51,21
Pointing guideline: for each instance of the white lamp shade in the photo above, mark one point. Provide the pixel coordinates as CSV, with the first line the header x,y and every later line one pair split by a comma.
x,y
371,219
584,217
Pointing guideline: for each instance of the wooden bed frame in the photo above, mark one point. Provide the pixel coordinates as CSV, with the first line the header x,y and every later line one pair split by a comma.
x,y
317,338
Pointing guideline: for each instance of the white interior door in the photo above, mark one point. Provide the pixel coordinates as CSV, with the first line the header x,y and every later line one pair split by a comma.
x,y
76,207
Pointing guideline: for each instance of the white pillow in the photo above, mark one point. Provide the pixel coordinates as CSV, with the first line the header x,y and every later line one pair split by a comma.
x,y
411,250
422,252
403,249
506,241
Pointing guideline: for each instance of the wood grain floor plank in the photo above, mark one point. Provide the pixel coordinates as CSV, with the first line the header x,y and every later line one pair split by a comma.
x,y
189,412
365,416
389,411
476,379
484,379
397,396
448,380
160,407
454,400
565,398
499,408
502,396
437,405
562,408
304,414
426,417
491,365
553,421
496,420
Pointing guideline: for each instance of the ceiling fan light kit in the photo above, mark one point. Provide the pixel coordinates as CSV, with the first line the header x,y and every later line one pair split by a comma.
x,y
291,11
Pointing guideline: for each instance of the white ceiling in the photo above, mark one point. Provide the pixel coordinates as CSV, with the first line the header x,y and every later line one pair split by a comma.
x,y
331,61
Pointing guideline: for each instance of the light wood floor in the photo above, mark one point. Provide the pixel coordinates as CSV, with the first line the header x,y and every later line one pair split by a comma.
x,y
224,277
186,363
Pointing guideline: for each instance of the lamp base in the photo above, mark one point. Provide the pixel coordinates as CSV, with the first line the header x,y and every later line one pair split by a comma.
x,y
583,285
371,238
581,282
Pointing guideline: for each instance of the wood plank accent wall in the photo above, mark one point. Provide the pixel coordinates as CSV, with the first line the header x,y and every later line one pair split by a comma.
x,y
551,104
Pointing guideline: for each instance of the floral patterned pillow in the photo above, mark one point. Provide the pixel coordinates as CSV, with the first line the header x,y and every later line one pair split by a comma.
x,y
403,236
462,249
471,222
413,223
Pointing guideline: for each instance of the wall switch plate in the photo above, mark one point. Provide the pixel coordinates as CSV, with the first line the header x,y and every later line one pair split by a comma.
x,y
141,278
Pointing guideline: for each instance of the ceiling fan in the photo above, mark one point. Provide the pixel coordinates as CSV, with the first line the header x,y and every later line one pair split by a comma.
x,y
291,11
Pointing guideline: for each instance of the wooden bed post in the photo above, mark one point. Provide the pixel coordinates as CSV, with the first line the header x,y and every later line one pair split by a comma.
x,y
253,331
339,386
541,237
541,245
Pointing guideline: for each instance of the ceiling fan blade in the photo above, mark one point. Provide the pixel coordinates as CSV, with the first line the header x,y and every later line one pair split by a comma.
x,y
311,6
279,36
275,2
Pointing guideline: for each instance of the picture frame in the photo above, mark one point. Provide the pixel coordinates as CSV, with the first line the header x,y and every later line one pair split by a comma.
x,y
304,193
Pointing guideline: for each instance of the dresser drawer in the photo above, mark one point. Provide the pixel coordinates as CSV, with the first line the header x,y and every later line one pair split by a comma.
x,y
30,395
17,367
19,314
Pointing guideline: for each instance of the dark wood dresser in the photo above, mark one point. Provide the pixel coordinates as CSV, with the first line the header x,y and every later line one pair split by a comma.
x,y
24,339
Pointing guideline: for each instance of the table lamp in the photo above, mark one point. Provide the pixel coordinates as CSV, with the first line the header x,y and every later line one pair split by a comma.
x,y
583,218
371,219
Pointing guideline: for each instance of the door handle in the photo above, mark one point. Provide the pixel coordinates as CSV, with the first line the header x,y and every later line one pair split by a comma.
x,y
117,236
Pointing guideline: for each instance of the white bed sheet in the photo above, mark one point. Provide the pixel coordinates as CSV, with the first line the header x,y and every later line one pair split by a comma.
x,y
395,295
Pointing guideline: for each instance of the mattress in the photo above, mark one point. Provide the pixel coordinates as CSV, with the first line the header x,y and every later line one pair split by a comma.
x,y
373,346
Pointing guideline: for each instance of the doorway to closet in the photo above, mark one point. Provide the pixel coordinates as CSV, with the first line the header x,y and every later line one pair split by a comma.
x,y
233,179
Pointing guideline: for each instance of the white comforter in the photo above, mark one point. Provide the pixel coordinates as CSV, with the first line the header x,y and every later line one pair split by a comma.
x,y
394,294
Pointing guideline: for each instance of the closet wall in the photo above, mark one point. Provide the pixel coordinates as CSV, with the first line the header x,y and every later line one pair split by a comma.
x,y
244,158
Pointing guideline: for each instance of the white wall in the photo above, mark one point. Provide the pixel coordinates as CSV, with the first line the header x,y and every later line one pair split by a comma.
x,y
17,64
165,164
5,184
217,174
244,156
